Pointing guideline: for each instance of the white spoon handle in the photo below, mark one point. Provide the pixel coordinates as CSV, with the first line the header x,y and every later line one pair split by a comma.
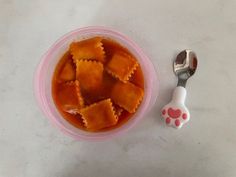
x,y
176,113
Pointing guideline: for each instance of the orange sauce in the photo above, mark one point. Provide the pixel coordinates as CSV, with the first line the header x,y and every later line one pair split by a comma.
x,y
110,47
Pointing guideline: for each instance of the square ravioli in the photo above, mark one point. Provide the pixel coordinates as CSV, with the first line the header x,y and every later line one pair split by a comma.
x,y
99,115
127,96
89,74
137,78
121,66
70,97
68,71
89,49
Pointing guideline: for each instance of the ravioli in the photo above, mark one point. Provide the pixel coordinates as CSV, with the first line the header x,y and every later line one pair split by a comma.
x,y
127,95
68,72
99,115
89,49
122,66
89,74
70,97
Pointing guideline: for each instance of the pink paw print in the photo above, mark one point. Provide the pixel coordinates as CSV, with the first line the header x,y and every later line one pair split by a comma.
x,y
175,113
175,117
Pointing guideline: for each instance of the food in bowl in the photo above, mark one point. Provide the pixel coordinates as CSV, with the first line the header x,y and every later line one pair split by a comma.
x,y
97,84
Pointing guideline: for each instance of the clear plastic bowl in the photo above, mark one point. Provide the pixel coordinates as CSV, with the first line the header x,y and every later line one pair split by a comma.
x,y
45,69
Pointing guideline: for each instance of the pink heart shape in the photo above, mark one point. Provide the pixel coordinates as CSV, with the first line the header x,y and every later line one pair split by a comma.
x,y
174,113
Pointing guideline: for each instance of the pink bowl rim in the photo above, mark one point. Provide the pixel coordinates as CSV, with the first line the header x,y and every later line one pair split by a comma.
x,y
46,57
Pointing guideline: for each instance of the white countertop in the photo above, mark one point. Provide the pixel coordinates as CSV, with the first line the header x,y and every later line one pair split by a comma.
x,y
29,144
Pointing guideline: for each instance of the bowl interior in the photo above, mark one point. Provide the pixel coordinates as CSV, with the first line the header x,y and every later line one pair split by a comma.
x,y
51,58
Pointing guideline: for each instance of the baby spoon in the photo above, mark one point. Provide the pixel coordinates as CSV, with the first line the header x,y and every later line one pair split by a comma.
x,y
176,113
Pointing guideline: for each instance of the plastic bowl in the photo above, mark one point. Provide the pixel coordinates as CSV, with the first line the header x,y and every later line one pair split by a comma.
x,y
45,69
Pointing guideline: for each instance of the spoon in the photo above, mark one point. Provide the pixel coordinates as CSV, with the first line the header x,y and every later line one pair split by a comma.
x,y
176,113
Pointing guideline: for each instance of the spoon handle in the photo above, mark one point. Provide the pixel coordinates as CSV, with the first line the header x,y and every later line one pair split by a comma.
x,y
176,113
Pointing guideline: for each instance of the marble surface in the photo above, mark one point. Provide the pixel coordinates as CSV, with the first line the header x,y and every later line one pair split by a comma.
x,y
31,146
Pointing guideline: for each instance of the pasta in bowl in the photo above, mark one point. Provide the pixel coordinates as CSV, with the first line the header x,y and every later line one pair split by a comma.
x,y
94,83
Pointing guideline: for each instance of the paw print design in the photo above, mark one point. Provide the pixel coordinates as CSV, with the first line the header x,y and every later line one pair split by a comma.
x,y
175,117
175,113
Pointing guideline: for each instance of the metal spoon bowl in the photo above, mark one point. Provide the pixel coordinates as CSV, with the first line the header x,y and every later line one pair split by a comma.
x,y
185,66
